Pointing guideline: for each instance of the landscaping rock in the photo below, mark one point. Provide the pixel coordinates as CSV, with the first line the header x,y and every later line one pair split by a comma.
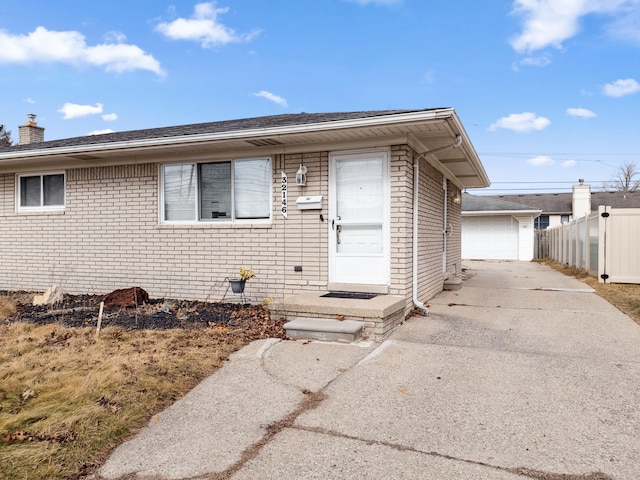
x,y
52,295
126,298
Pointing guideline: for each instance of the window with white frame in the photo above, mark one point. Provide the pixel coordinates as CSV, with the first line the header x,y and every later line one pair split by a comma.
x,y
40,192
236,190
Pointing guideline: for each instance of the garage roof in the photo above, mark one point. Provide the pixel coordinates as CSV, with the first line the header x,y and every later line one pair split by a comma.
x,y
482,205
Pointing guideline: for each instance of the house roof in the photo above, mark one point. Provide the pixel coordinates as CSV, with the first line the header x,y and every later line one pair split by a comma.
x,y
425,130
484,205
561,203
549,203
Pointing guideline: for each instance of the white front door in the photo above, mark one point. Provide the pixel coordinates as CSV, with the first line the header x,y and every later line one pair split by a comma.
x,y
359,219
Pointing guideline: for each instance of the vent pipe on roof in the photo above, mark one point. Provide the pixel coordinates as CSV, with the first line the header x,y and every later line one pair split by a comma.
x,y
30,132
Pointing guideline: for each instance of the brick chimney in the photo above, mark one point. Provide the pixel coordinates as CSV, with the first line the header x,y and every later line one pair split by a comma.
x,y
30,132
581,199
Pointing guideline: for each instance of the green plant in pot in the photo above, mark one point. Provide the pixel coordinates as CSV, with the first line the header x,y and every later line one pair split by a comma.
x,y
237,285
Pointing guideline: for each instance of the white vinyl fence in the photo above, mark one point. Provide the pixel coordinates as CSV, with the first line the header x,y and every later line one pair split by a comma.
x,y
605,243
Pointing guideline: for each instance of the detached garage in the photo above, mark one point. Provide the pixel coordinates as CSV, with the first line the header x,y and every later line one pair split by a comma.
x,y
495,229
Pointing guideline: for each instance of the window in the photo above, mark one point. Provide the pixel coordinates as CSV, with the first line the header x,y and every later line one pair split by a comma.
x,y
41,192
542,222
564,219
214,192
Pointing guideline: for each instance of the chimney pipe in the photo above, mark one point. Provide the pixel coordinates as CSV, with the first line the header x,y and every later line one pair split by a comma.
x,y
581,199
30,132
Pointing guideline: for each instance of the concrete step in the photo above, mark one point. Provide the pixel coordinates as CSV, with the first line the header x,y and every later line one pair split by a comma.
x,y
453,284
324,329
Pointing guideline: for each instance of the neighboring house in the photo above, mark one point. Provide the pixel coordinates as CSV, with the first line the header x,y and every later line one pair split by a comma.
x,y
176,210
559,208
494,229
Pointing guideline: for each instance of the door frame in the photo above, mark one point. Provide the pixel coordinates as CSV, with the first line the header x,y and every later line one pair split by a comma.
x,y
336,283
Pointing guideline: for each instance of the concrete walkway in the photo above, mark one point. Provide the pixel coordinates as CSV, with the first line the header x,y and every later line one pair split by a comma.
x,y
524,373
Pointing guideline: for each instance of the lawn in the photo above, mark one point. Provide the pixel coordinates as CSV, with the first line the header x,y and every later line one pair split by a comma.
x,y
68,396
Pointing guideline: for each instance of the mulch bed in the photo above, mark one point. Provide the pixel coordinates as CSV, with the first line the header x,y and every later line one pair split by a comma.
x,y
82,311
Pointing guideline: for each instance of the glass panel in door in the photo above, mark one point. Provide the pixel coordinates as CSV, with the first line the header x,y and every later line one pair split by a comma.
x,y
359,205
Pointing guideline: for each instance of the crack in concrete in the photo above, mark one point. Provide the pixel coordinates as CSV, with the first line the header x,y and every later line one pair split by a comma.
x,y
311,401
521,471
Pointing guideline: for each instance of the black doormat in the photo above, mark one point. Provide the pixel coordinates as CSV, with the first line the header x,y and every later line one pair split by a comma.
x,y
355,295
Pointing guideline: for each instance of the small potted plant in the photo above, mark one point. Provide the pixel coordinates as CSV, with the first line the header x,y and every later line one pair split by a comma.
x,y
237,285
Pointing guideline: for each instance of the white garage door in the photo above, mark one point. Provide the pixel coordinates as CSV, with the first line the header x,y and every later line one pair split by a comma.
x,y
490,238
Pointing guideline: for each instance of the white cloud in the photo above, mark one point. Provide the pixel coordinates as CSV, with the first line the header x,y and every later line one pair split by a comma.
x,y
115,37
581,112
272,97
100,132
376,2
627,27
29,100
621,87
539,61
569,163
203,27
550,22
521,122
541,161
70,47
73,110
110,117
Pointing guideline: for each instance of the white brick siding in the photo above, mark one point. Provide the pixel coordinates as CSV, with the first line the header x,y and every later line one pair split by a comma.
x,y
109,236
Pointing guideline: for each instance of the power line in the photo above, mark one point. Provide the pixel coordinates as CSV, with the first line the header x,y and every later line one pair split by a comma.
x,y
546,182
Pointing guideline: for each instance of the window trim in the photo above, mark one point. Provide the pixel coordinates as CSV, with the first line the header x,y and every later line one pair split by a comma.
x,y
41,207
205,222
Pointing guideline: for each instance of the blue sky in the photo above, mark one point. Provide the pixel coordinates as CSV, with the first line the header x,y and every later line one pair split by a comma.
x,y
548,90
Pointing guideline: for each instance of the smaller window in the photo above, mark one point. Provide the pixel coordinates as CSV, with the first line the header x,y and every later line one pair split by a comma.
x,y
542,222
564,219
36,192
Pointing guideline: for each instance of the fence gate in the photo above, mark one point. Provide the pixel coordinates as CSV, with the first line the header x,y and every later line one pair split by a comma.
x,y
619,248
541,244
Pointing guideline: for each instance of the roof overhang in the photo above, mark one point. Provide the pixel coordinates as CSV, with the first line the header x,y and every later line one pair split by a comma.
x,y
486,213
424,130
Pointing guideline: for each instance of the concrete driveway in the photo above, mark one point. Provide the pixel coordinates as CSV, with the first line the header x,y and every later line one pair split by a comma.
x,y
524,373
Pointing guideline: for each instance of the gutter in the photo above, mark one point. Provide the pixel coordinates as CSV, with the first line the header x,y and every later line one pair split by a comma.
x,y
416,197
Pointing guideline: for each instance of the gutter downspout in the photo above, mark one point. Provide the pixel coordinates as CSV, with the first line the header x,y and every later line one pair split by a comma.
x,y
416,204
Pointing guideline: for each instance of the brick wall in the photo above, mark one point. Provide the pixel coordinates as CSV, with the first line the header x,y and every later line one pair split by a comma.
x,y
430,248
109,236
454,237
401,227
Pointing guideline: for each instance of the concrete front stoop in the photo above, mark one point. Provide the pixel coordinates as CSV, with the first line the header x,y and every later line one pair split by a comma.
x,y
310,315
324,329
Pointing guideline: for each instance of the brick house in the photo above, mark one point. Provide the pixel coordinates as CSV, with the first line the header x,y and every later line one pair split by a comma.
x,y
351,201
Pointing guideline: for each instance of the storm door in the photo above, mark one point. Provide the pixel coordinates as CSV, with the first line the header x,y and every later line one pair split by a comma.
x,y
359,219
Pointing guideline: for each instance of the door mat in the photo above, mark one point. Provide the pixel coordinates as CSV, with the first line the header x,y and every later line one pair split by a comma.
x,y
354,295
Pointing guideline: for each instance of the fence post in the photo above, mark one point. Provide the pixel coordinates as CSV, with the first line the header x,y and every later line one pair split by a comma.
x,y
602,248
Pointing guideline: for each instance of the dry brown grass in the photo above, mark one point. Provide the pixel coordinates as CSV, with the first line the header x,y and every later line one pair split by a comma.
x,y
624,296
67,398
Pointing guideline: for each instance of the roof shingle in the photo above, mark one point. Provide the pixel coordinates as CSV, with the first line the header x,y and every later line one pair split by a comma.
x,y
272,121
